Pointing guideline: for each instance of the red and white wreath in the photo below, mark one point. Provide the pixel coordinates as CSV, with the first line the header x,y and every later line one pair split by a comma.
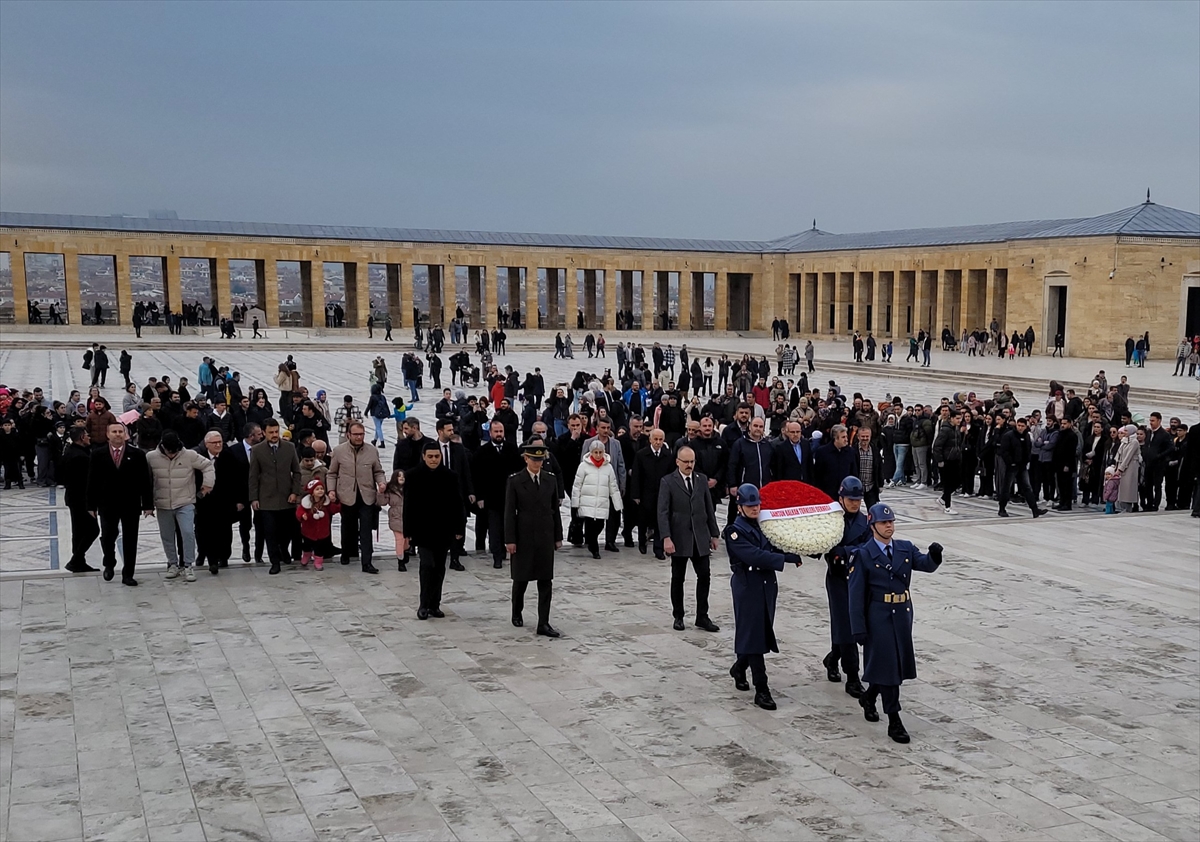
x,y
799,518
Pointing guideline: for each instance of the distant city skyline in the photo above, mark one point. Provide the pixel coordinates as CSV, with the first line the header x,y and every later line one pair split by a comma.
x,y
706,120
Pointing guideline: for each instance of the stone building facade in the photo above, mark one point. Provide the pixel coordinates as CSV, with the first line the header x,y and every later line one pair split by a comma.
x,y
1097,280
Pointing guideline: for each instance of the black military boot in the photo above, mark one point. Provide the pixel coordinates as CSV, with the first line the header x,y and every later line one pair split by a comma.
x,y
831,667
870,712
763,699
853,685
739,677
896,728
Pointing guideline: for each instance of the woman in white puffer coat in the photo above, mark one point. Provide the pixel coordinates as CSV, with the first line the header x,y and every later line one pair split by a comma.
x,y
594,490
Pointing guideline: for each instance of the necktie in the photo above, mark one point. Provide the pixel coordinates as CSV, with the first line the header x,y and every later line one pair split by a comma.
x,y
446,455
688,482
537,481
889,554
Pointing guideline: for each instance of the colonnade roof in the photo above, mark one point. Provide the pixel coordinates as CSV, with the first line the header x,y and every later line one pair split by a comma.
x,y
1147,220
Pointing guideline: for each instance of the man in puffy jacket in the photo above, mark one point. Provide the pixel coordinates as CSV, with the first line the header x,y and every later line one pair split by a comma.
x,y
173,469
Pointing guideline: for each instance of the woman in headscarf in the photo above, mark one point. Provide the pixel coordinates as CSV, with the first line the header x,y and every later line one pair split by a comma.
x,y
1129,464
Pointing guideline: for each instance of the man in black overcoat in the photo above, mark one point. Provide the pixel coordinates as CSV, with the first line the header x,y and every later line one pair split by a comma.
x,y
532,532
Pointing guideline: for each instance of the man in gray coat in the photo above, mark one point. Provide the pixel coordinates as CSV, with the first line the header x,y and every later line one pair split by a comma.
x,y
687,524
274,488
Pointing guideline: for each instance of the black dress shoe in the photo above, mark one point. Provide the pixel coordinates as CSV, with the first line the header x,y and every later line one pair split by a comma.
x,y
518,620
707,625
259,561
612,548
223,564
831,667
595,554
214,569
274,568
497,564
870,712
82,567
401,566
642,549
1002,513
1039,512
436,612
456,565
547,630
345,559
660,556
854,687
896,729
739,678
131,582
369,568
108,573
763,699
422,614
678,624
628,543
246,556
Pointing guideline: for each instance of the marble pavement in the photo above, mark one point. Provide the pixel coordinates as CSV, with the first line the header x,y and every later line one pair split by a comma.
x,y
1058,699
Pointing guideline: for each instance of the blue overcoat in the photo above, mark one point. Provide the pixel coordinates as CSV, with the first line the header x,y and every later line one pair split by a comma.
x,y
838,560
754,561
888,655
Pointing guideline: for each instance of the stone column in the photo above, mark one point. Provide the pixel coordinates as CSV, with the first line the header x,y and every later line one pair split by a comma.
x,y
649,311
224,291
571,298
944,305
172,284
476,306
589,299
685,299
861,296
74,314
406,303
124,289
721,302
267,291
358,293
312,293
529,315
611,278
437,292
16,261
989,301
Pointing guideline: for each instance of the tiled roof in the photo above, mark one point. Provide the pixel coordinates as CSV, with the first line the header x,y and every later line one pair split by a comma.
x,y
1147,220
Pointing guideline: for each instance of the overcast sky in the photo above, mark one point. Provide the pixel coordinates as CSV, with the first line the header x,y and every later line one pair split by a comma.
x,y
657,119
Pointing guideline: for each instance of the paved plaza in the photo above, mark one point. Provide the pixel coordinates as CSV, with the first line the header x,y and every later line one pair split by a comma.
x,y
1058,698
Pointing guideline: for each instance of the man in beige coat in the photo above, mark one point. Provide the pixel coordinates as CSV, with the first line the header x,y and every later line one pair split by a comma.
x,y
173,468
355,477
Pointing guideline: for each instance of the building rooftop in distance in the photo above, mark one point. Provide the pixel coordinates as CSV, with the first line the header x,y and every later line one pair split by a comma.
x,y
1144,220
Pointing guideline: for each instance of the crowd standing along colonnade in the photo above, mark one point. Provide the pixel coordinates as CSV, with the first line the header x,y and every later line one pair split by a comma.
x,y
1095,281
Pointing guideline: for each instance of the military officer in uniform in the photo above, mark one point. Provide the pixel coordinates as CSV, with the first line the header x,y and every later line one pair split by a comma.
x,y
532,532
850,496
754,561
881,613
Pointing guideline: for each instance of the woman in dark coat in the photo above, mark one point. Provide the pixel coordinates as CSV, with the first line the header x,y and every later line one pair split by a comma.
x,y
754,561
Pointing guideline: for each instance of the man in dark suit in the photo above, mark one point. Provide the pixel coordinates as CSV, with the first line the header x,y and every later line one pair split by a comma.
x,y
687,526
490,470
119,487
458,461
435,517
252,434
216,511
274,488
649,468
833,461
792,455
72,473
532,532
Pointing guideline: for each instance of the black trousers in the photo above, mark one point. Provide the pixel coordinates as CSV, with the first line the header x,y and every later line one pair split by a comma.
x,y
481,529
847,654
545,593
356,531
679,564
592,527
968,466
495,533
276,527
84,532
612,526
214,540
758,668
246,517
1005,477
950,472
1154,484
890,694
432,574
1066,488
125,521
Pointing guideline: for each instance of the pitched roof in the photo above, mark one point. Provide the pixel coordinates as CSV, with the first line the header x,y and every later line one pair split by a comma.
x,y
1147,220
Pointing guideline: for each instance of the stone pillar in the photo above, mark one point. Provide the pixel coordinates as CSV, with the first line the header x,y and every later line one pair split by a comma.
x,y
649,287
529,316
589,298
664,298
881,299
358,293
611,278
862,281
721,302
312,293
16,261
172,284
437,292
224,300
74,314
945,303
267,291
685,299
124,287
476,305
571,298
393,309
407,303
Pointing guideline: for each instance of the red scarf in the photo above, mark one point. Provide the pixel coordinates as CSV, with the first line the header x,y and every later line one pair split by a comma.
x,y
597,462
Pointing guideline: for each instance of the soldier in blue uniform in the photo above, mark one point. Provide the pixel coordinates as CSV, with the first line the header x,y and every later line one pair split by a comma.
x,y
850,496
881,613
754,562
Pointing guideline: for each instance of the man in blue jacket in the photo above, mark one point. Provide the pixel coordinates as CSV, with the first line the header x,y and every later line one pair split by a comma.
x,y
754,562
881,613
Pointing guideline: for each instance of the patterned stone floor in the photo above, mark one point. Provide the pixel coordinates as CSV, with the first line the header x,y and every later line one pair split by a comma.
x,y
1058,699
